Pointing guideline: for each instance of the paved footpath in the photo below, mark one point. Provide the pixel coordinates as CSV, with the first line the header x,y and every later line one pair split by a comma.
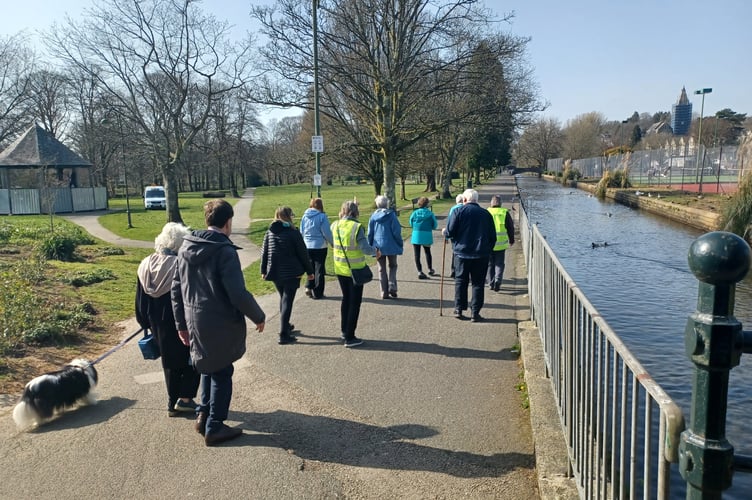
x,y
425,408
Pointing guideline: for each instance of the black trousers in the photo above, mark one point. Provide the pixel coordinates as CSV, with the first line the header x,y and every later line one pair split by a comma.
x,y
429,259
286,289
318,259
352,297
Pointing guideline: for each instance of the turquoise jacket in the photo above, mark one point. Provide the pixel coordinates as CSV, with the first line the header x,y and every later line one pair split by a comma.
x,y
423,222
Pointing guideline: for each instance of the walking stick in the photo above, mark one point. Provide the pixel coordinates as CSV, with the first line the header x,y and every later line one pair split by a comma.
x,y
441,284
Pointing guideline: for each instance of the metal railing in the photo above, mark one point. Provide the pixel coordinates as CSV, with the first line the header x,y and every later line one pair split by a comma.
x,y
673,166
622,430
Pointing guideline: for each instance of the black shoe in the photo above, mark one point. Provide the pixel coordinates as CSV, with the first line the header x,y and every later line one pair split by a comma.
x,y
431,272
458,314
286,339
224,434
201,423
422,276
352,342
393,294
477,318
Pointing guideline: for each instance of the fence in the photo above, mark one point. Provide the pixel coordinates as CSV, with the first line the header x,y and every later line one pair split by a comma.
x,y
62,200
622,430
674,166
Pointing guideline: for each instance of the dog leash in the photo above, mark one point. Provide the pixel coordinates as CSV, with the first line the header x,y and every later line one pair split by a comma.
x,y
121,344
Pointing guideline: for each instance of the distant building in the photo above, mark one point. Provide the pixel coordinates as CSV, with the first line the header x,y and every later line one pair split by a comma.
x,y
659,128
681,114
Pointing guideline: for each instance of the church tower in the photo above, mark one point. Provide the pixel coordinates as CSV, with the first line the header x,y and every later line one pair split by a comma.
x,y
681,114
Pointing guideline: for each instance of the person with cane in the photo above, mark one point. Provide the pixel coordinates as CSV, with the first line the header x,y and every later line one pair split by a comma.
x,y
473,234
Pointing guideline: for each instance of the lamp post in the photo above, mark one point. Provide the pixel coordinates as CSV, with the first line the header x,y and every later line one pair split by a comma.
x,y
621,145
701,92
317,143
125,173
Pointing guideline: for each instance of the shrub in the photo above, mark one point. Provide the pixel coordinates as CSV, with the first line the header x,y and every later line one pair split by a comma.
x,y
84,278
57,246
615,179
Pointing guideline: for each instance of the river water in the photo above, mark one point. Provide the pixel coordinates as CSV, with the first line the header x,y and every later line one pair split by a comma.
x,y
641,284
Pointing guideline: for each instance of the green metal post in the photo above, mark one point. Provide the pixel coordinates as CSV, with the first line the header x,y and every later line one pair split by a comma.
x,y
713,341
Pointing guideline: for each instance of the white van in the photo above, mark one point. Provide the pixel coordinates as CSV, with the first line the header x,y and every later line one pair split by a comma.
x,y
154,197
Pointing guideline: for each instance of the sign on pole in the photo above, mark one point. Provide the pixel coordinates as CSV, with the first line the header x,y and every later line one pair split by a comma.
x,y
317,180
317,144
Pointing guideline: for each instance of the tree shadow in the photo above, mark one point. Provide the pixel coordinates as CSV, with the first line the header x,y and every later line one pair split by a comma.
x,y
332,440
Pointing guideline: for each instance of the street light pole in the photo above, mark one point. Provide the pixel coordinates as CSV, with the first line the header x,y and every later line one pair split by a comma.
x,y
621,146
125,174
701,92
317,144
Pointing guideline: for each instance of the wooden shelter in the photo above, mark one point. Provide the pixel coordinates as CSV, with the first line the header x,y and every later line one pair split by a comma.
x,y
39,174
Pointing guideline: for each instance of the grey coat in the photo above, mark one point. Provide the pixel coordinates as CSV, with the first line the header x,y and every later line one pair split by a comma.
x,y
210,300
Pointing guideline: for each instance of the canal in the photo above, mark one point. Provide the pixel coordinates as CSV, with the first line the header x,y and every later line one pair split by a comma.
x,y
632,266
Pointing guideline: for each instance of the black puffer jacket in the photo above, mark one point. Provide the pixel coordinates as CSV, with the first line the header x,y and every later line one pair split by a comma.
x,y
283,253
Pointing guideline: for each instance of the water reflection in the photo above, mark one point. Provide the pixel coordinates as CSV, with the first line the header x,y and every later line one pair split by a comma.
x,y
632,266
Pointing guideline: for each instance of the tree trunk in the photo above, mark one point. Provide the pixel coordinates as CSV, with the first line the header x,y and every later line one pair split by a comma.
x,y
389,177
171,194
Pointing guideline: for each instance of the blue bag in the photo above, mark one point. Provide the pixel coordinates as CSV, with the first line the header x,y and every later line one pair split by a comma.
x,y
149,346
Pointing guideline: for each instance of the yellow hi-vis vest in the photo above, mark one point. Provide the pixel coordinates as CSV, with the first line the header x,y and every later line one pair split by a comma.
x,y
502,238
345,233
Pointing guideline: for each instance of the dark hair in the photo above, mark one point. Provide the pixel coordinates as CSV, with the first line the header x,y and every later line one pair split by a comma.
x,y
217,212
422,202
317,203
496,200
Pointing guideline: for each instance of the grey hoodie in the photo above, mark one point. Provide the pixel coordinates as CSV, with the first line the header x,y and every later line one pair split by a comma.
x,y
210,300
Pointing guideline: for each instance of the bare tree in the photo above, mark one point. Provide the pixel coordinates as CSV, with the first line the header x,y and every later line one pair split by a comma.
x,y
16,67
164,64
375,62
539,142
49,100
583,136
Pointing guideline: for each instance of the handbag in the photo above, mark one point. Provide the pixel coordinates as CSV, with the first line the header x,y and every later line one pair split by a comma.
x,y
359,276
149,346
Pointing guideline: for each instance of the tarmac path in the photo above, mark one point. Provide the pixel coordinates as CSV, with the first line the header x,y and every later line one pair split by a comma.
x,y
427,407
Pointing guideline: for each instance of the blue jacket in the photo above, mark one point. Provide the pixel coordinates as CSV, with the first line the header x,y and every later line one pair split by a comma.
x,y
472,231
316,230
384,232
423,222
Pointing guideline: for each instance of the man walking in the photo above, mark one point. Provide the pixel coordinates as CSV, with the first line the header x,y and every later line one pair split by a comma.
x,y
504,239
210,303
471,229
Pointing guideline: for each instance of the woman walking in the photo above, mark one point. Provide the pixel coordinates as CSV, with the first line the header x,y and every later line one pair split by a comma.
x,y
423,222
385,233
314,225
350,249
154,311
284,259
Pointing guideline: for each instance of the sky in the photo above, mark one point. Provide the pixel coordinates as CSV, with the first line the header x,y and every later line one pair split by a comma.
x,y
610,56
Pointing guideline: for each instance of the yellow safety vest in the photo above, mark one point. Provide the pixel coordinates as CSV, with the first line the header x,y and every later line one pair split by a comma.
x,y
345,233
502,238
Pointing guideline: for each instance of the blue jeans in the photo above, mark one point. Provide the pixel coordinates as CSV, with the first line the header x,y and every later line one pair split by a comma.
x,y
473,272
216,393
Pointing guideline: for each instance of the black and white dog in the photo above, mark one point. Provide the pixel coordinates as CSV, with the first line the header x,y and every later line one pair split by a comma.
x,y
52,393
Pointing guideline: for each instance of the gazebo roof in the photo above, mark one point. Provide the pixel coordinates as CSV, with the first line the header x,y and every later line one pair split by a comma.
x,y
38,148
